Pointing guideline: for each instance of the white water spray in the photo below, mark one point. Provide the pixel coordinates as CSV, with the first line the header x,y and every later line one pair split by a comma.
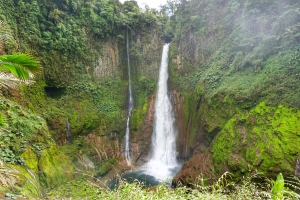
x,y
163,163
130,107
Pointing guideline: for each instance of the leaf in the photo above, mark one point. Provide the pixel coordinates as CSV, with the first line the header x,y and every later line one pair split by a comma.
x,y
278,186
23,66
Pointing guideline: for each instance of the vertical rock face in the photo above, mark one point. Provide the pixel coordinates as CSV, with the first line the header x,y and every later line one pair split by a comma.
x,y
141,141
104,147
183,126
107,63
145,53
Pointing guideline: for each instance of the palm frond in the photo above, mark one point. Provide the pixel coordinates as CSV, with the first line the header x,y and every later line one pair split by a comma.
x,y
20,65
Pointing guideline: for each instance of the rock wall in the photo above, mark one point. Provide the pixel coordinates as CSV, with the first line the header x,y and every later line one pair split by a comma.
x,y
108,62
225,135
183,125
234,87
145,53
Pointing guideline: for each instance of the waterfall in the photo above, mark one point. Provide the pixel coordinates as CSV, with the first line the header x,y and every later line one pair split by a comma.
x,y
68,132
130,106
163,162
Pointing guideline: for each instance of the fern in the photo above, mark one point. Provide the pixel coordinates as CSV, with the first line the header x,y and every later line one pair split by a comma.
x,y
5,33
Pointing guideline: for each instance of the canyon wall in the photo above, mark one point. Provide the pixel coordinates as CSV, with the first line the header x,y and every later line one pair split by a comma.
x,y
235,87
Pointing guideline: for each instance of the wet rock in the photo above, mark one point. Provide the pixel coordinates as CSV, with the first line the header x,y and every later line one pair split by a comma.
x,y
141,142
87,161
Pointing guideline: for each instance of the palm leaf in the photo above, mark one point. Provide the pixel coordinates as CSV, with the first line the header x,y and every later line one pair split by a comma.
x,y
23,66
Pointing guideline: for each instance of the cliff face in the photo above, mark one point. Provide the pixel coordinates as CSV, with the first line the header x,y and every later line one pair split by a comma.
x,y
145,53
82,92
108,61
141,139
233,68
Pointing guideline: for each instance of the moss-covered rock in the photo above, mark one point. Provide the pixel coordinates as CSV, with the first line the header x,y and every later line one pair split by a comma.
x,y
54,168
137,116
31,160
27,182
266,138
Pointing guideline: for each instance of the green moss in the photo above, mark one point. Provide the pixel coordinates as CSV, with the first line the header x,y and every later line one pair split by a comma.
x,y
137,115
105,168
55,168
28,184
266,138
30,158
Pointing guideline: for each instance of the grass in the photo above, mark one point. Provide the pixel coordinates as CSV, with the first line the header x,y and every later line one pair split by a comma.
x,y
256,186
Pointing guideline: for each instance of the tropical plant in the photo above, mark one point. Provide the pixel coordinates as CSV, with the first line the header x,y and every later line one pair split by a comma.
x,y
18,68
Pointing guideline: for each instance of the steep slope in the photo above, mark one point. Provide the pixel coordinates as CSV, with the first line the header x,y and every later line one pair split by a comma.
x,y
235,65
82,91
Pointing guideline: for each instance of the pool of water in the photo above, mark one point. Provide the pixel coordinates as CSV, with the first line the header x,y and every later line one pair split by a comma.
x,y
143,177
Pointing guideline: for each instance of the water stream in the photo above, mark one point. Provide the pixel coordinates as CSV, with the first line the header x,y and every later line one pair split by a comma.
x,y
162,165
163,162
130,106
68,132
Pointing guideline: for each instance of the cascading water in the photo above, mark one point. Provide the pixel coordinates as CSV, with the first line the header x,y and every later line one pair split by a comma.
x,y
130,106
163,163
68,132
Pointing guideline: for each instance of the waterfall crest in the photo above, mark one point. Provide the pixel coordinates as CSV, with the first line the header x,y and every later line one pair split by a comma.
x,y
130,106
163,163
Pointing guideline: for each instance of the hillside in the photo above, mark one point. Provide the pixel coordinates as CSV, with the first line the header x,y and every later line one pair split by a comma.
x,y
236,67
234,74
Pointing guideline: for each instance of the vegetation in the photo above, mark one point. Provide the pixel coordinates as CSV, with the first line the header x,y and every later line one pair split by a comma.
x,y
17,68
230,59
69,47
249,51
268,150
234,63
222,189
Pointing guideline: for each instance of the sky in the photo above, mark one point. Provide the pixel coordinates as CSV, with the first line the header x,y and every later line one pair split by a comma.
x,y
150,3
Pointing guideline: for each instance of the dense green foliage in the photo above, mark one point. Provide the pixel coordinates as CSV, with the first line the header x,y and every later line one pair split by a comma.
x,y
22,129
245,48
236,66
25,142
16,68
68,37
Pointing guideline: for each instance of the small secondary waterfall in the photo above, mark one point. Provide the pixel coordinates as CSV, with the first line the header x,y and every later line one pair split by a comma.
x,y
163,162
68,131
130,106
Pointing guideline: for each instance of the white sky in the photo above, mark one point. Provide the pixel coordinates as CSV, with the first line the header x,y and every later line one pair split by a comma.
x,y
150,3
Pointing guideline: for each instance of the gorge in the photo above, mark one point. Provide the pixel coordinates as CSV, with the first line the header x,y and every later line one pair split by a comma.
x,y
233,85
